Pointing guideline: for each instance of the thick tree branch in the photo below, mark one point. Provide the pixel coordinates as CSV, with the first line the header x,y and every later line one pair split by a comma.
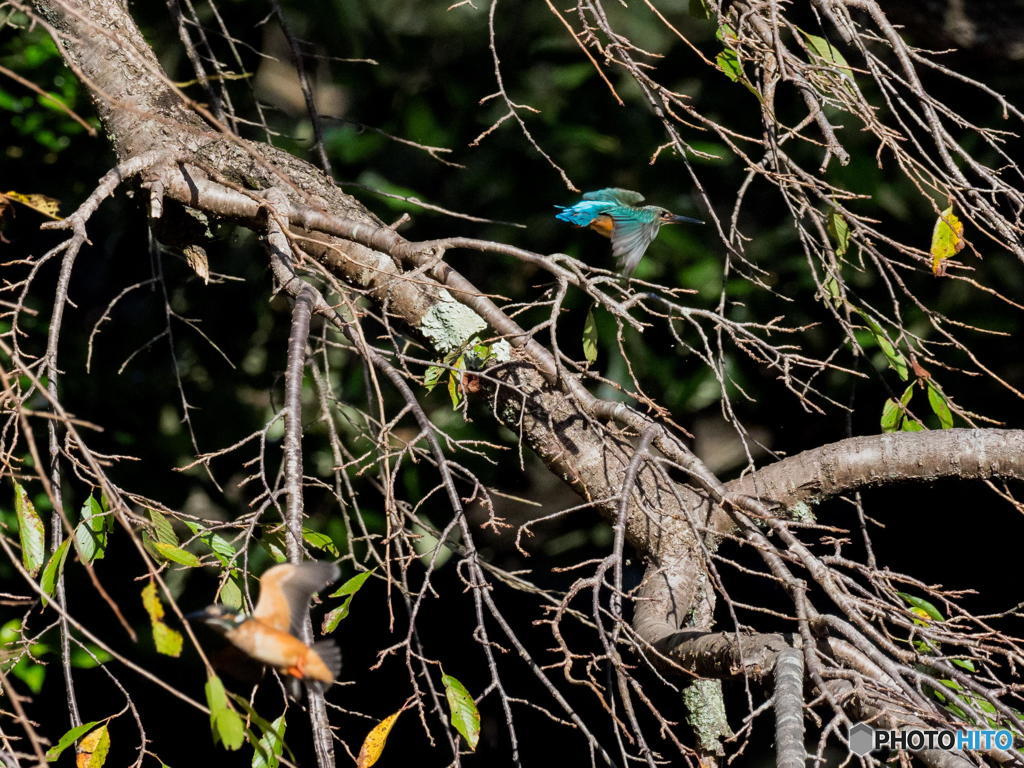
x,y
836,468
874,460
305,299
789,710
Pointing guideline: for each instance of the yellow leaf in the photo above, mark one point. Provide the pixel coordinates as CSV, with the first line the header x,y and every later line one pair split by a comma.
x,y
92,750
375,740
167,641
151,602
947,240
48,206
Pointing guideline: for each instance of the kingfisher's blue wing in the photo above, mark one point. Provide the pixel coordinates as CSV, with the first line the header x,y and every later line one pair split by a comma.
x,y
616,195
583,212
630,239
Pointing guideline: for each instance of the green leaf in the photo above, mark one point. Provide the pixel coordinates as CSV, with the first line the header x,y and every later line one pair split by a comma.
x,y
93,749
482,352
965,664
10,632
30,674
724,32
225,723
31,532
940,407
262,722
222,549
824,50
454,379
433,375
348,590
91,531
273,547
320,541
729,62
840,231
907,394
894,413
167,641
958,713
433,552
590,337
55,567
271,744
353,585
985,706
913,425
833,290
252,714
176,554
465,715
231,593
89,659
894,357
924,605
162,528
923,647
453,390
68,739
947,240
891,415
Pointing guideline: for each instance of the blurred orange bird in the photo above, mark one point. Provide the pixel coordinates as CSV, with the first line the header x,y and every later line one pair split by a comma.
x,y
270,634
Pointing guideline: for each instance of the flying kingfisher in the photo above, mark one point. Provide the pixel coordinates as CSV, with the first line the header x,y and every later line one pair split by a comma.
x,y
617,214
270,634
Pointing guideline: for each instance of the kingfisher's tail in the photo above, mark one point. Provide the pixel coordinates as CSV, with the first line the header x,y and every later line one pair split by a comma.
x,y
565,213
581,214
329,653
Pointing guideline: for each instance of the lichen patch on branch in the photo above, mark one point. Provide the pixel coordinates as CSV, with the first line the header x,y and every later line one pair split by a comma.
x,y
449,325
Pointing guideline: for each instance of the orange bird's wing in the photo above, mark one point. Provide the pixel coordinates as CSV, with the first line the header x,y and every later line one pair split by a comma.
x,y
285,591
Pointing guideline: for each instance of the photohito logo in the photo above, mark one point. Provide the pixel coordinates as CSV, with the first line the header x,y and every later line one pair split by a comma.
x,y
864,739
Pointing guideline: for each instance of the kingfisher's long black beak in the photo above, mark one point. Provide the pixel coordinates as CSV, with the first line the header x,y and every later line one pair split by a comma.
x,y
198,615
686,219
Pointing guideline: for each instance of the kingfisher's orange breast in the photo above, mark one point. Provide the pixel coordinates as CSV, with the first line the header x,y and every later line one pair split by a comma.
x,y
279,649
603,225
